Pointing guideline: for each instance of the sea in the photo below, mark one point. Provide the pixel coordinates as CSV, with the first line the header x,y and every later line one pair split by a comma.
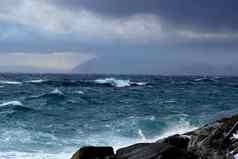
x,y
50,116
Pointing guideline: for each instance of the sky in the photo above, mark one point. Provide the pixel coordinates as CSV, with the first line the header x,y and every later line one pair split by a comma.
x,y
178,37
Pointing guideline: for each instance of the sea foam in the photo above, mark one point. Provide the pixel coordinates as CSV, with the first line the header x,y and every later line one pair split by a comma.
x,y
36,81
14,103
11,82
56,91
119,82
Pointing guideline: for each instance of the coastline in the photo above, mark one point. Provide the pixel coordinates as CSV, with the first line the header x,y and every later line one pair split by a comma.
x,y
216,140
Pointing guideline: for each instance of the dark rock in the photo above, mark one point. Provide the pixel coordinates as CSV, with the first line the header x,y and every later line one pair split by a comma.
x,y
180,141
210,145
153,151
142,151
176,153
209,142
91,152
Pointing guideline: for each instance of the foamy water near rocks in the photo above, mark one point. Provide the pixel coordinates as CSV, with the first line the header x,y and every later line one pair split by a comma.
x,y
217,140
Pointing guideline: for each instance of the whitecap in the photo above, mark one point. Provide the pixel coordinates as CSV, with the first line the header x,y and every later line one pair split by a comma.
x,y
14,103
11,82
114,82
36,81
57,92
79,92
139,83
119,82
204,79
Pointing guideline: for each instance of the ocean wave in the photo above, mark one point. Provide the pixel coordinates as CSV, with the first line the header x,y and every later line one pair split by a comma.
x,y
1,86
12,107
79,92
36,81
35,155
132,130
56,83
109,137
11,82
180,127
204,79
27,138
114,137
118,82
113,82
13,103
56,91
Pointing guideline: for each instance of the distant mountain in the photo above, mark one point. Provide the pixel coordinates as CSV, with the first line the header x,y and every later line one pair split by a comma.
x,y
148,65
126,65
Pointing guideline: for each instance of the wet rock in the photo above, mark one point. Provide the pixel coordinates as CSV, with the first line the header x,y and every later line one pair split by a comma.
x,y
92,152
210,142
180,141
154,151
176,153
142,151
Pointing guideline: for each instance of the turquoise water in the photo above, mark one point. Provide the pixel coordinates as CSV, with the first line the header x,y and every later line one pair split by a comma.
x,y
51,116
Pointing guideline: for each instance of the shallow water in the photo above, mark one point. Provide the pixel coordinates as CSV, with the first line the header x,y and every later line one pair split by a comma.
x,y
51,116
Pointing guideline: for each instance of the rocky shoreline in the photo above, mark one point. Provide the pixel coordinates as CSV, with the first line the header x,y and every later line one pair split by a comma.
x,y
216,140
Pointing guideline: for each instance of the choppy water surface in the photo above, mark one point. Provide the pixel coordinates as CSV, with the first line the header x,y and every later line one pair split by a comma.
x,y
51,116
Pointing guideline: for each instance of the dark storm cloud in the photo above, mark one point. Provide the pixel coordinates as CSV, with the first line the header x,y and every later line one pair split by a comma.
x,y
124,36
207,15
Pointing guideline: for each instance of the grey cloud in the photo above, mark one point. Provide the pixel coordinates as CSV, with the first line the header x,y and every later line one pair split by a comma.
x,y
199,14
130,36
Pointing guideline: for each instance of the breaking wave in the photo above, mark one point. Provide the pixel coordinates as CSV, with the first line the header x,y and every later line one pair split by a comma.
x,y
204,79
52,116
56,91
112,82
13,106
119,82
36,81
13,103
180,127
11,82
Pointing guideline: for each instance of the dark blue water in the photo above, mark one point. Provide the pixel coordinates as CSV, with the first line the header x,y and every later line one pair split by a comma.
x,y
51,116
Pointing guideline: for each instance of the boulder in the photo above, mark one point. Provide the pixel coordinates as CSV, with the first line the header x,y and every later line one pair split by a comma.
x,y
142,151
92,152
153,151
180,141
176,153
210,141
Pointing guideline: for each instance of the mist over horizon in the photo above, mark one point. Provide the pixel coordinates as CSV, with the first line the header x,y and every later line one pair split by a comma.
x,y
119,37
